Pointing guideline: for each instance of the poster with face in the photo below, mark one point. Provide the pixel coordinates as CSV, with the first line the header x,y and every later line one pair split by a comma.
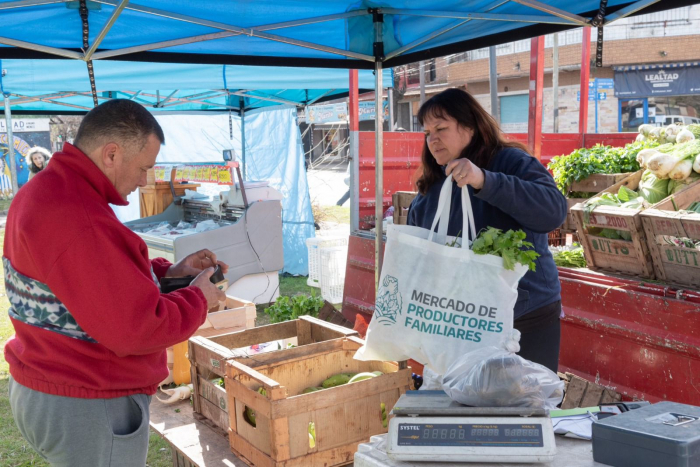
x,y
23,142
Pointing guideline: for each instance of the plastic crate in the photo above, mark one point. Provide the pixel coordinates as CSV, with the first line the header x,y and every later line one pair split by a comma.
x,y
315,245
332,280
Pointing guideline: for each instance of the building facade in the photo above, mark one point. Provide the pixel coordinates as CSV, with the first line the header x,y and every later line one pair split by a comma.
x,y
664,46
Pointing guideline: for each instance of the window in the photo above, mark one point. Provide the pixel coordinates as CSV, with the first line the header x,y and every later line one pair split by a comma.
x,y
514,113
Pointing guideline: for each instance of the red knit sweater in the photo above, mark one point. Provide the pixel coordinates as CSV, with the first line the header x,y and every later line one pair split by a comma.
x,y
61,232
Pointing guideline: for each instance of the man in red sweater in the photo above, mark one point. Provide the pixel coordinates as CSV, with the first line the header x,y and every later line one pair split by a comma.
x,y
91,324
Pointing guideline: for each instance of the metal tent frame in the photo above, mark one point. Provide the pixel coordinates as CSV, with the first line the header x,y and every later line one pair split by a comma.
x,y
545,18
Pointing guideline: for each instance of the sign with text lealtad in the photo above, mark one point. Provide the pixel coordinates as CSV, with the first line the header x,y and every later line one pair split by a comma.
x,y
221,174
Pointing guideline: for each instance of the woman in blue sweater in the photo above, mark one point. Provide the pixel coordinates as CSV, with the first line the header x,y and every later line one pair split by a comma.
x,y
509,189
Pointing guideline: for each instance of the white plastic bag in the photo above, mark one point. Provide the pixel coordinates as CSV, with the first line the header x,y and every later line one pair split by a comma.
x,y
436,302
493,377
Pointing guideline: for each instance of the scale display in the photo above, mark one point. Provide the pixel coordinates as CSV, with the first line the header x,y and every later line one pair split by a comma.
x,y
483,435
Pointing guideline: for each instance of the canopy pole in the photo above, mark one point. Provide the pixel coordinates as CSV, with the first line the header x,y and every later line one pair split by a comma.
x,y
354,113
585,75
379,144
242,104
10,144
534,124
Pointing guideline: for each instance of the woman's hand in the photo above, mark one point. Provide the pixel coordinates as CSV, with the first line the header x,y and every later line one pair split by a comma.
x,y
465,173
194,264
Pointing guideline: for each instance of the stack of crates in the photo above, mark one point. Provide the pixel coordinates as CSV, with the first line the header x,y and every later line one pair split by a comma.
x,y
327,260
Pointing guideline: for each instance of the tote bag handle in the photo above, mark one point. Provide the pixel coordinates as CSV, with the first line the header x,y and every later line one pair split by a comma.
x,y
442,214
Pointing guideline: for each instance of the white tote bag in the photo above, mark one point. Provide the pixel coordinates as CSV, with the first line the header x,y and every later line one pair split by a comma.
x,y
437,302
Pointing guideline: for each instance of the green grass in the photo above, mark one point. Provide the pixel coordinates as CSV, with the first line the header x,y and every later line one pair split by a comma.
x,y
15,451
338,214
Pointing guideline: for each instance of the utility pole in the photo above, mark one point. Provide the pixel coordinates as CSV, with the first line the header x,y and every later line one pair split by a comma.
x,y
555,80
493,82
421,72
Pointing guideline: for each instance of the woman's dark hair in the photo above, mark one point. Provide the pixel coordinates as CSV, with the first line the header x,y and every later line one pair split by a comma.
x,y
484,145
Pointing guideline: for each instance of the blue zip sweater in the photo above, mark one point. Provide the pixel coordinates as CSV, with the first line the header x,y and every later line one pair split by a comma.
x,y
518,193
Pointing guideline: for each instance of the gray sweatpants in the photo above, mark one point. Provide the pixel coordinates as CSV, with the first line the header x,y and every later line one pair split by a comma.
x,y
71,432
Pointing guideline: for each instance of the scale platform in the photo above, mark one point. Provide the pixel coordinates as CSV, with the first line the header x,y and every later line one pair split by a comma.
x,y
430,427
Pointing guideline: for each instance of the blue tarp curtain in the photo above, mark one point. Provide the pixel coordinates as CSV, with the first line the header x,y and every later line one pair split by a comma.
x,y
273,153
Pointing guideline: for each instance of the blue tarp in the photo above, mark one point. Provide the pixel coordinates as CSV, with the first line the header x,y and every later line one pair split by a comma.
x,y
329,33
154,82
273,153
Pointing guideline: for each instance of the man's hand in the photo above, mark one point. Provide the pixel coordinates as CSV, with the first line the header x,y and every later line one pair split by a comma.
x,y
211,292
193,264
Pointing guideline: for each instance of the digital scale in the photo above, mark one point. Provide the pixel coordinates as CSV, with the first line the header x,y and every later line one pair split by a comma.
x,y
428,426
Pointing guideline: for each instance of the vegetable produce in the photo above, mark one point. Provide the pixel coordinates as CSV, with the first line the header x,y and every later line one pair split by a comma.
x,y
684,136
361,377
508,245
652,188
312,389
385,421
640,137
583,162
674,186
696,163
645,128
248,413
661,164
644,155
682,170
312,435
337,380
286,308
670,132
694,129
570,258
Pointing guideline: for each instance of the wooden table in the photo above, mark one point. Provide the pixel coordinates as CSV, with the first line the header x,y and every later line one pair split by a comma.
x,y
193,443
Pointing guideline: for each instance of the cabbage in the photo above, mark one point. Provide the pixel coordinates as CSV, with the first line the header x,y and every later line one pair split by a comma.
x,y
651,188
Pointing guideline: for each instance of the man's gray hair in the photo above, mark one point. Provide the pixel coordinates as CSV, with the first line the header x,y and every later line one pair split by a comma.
x,y
118,120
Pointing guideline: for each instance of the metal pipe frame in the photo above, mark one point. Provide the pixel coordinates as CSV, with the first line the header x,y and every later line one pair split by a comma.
x,y
26,3
22,99
11,146
490,7
164,101
258,30
320,97
628,10
105,29
378,160
479,16
266,98
576,19
41,48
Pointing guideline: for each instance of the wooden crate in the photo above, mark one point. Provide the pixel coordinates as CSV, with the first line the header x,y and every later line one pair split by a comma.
x,y
344,416
579,392
671,263
402,201
237,315
208,355
620,256
594,183
154,199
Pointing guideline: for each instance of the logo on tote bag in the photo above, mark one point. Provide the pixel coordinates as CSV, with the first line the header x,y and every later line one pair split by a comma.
x,y
388,305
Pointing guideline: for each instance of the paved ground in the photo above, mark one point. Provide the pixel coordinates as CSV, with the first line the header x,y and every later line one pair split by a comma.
x,y
326,183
